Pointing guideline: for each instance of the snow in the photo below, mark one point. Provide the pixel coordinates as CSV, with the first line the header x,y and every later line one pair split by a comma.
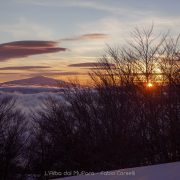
x,y
168,171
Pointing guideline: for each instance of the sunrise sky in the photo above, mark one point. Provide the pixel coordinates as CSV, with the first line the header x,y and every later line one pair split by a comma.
x,y
62,38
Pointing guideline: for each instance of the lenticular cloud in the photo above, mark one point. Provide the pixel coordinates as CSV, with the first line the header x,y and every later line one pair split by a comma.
x,y
20,49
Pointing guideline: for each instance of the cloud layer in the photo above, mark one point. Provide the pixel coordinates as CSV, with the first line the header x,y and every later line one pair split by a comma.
x,y
53,73
31,99
89,64
91,36
21,49
24,67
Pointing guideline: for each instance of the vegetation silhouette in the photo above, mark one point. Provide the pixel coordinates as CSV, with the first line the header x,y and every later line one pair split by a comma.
x,y
130,117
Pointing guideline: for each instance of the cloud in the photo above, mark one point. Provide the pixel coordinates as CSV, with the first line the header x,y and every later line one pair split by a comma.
x,y
89,64
9,73
114,7
54,73
91,36
31,99
21,49
24,67
93,4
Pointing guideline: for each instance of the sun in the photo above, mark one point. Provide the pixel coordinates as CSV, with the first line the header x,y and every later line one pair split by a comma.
x,y
149,85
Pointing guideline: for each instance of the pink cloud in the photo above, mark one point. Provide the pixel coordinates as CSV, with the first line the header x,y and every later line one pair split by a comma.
x,y
92,36
20,49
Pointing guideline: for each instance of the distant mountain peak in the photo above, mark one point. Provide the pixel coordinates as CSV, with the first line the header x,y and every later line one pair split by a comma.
x,y
38,81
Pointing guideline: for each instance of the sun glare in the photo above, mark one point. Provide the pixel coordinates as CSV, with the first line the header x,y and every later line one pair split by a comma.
x,y
149,85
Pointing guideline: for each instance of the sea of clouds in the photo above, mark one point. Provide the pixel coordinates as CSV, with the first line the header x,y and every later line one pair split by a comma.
x,y
31,99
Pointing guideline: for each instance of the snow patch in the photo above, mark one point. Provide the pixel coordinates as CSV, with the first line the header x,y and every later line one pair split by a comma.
x,y
168,171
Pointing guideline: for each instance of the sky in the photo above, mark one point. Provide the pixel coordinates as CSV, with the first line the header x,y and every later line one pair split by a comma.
x,y
64,38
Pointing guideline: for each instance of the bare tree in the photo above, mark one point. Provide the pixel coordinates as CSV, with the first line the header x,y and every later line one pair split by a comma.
x,y
12,139
119,122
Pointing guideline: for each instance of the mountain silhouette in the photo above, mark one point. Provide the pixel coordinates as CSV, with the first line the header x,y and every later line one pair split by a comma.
x,y
38,81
